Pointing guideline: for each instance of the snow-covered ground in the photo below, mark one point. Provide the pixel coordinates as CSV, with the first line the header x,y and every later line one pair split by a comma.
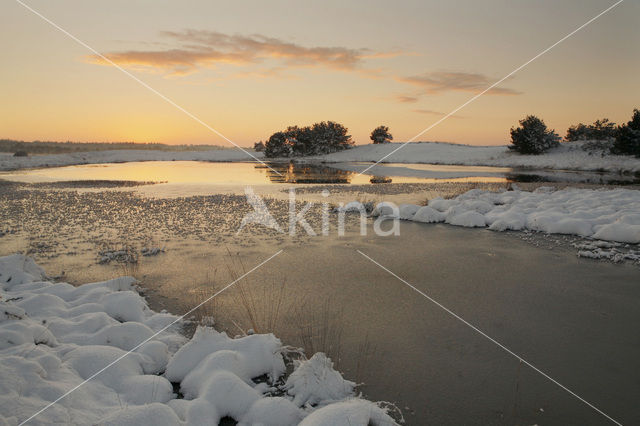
x,y
608,215
9,162
53,336
569,156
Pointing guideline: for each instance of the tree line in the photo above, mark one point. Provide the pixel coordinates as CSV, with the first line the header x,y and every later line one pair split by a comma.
x,y
533,136
317,139
23,148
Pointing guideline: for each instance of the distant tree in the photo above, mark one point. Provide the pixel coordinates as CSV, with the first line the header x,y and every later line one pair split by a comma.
x,y
277,146
600,130
627,140
320,138
381,135
329,137
533,137
258,146
21,153
301,140
579,132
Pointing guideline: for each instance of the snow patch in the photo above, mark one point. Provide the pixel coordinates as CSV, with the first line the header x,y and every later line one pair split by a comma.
x,y
610,215
55,336
315,380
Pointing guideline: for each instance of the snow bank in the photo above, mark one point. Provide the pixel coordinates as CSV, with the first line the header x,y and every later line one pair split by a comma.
x,y
568,156
55,336
351,412
9,162
315,381
611,215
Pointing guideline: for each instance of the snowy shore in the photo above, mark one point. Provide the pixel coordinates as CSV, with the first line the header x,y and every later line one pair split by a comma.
x,y
9,162
608,215
53,336
569,156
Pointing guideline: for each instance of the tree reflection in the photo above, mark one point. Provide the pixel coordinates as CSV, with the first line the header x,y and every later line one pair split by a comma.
x,y
305,173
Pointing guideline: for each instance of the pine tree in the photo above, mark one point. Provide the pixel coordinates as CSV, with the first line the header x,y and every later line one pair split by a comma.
x,y
533,137
320,138
277,146
600,130
628,137
381,135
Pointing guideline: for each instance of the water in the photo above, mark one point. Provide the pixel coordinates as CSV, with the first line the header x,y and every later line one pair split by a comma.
x,y
193,172
576,319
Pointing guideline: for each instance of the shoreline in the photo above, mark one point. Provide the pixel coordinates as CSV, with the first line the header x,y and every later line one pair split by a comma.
x,y
135,363
570,156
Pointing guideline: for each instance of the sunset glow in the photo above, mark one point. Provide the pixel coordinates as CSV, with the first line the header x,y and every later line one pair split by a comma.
x,y
249,69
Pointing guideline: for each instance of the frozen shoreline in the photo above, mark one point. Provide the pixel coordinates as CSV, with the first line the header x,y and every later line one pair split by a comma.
x,y
569,156
606,215
53,336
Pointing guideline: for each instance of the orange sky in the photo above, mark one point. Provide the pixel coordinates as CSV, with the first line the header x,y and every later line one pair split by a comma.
x,y
250,69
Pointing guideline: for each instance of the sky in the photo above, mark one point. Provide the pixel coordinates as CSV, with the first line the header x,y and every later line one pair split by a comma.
x,y
250,68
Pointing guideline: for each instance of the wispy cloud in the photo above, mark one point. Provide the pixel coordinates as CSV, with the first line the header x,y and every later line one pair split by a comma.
x,y
407,99
432,112
437,82
194,49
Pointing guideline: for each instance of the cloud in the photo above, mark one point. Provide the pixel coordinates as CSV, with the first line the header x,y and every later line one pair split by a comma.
x,y
194,49
407,99
432,112
437,82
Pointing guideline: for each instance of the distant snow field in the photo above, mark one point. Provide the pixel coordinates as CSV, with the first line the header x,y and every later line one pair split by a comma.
x,y
569,156
53,336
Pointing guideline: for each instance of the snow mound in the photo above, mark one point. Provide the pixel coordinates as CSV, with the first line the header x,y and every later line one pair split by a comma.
x,y
354,412
610,215
103,340
427,214
152,414
273,412
315,380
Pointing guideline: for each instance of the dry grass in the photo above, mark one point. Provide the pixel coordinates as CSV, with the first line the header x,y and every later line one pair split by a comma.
x,y
130,263
207,287
366,350
258,304
319,331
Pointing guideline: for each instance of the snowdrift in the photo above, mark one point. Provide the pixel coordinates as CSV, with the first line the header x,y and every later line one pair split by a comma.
x,y
54,336
609,215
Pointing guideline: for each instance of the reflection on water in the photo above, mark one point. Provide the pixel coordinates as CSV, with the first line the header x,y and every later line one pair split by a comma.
x,y
305,173
314,173
210,173
380,179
